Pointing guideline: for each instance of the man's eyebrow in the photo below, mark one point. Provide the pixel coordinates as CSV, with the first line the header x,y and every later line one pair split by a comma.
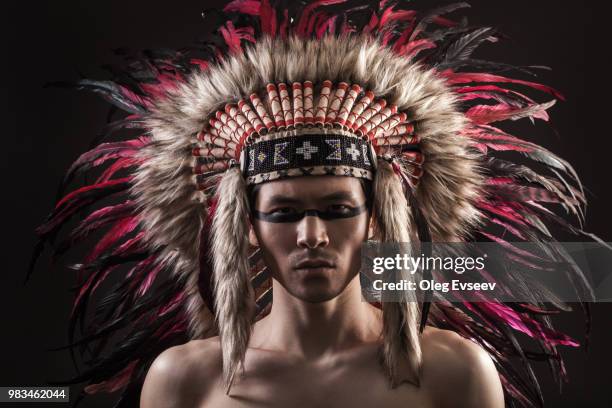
x,y
282,199
338,195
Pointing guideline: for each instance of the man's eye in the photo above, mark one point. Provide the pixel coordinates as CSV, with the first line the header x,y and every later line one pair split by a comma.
x,y
283,211
340,208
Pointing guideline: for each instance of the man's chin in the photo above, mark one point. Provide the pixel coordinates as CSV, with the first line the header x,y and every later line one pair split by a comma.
x,y
313,293
317,297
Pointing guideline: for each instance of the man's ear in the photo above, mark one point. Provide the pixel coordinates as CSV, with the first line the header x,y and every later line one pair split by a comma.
x,y
371,228
252,236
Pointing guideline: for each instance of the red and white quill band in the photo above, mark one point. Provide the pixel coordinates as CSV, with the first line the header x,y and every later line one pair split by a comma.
x,y
300,109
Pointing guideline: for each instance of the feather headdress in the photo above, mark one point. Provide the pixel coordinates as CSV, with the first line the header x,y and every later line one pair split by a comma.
x,y
394,95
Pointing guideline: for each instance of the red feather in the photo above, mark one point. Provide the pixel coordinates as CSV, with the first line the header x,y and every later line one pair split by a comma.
x,y
233,36
267,16
371,24
148,280
165,83
508,245
92,279
507,226
116,383
102,217
104,152
443,21
527,325
99,186
466,77
475,90
389,16
122,163
118,231
414,47
130,245
284,25
503,211
484,114
304,25
403,38
250,7
200,63
328,25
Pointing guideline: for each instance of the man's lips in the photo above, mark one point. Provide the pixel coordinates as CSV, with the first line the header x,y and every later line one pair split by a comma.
x,y
314,263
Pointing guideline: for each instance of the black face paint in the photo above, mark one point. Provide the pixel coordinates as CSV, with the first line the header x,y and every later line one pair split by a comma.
x,y
294,216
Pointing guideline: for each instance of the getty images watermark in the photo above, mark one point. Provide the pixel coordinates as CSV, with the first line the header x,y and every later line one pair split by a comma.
x,y
412,264
487,271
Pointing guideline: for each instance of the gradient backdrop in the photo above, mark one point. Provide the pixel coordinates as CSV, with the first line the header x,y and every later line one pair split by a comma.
x,y
46,129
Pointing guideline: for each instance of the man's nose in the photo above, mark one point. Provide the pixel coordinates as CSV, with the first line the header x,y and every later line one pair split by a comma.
x,y
312,232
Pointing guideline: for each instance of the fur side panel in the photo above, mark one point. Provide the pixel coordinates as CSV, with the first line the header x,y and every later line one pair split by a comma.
x,y
234,300
172,216
401,354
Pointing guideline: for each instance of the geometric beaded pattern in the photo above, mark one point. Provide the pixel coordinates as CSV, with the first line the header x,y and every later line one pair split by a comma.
x,y
299,108
273,158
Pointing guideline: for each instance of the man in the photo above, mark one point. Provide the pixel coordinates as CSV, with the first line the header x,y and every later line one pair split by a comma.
x,y
319,346
268,157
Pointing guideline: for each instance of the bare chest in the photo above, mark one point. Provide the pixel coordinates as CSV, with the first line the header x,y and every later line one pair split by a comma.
x,y
351,384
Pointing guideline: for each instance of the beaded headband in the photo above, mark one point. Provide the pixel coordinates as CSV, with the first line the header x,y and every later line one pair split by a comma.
x,y
288,134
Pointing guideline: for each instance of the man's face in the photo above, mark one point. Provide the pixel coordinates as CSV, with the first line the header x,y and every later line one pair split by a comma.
x,y
313,258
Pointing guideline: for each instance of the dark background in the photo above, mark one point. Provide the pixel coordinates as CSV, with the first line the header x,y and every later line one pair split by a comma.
x,y
44,130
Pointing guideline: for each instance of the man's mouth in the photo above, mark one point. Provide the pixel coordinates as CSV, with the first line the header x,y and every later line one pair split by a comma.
x,y
314,263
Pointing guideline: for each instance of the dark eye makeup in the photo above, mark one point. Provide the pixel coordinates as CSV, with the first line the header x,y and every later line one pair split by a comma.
x,y
290,214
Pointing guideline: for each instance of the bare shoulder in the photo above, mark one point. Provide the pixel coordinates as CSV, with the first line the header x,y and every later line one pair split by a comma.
x,y
462,368
181,375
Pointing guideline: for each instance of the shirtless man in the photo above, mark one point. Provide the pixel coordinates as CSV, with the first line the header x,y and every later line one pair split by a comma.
x,y
319,345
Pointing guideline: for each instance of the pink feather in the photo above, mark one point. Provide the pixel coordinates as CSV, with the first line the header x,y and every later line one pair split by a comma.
x,y
131,244
267,16
149,279
389,16
118,231
471,90
371,24
484,114
414,47
250,7
120,164
284,25
402,40
328,25
444,22
304,25
233,36
101,217
86,285
508,245
527,325
177,300
202,64
166,82
503,211
72,195
467,77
